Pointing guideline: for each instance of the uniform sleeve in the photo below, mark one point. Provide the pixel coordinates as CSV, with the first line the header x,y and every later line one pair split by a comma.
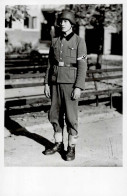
x,y
81,65
47,74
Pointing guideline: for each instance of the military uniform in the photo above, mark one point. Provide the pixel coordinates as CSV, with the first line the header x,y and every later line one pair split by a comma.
x,y
66,71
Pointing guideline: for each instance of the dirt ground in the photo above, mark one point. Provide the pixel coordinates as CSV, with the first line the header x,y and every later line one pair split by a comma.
x,y
28,133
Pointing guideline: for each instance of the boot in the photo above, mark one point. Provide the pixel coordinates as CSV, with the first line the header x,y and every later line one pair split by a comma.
x,y
70,153
58,147
72,141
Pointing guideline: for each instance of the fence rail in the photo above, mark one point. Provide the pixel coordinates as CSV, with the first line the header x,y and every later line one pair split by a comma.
x,y
24,85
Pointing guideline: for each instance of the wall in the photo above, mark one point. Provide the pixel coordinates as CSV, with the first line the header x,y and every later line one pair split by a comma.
x,y
19,33
16,37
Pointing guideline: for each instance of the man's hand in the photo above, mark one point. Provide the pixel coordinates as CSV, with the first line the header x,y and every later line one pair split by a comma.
x,y
47,90
76,93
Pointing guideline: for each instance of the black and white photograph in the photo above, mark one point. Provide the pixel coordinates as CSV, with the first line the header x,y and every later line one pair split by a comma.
x,y
63,91
63,85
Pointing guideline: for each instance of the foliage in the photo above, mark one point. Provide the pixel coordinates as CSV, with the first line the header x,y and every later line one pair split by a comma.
x,y
21,48
98,14
113,16
16,12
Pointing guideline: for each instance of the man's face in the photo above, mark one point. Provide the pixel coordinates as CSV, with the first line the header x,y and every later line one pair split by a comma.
x,y
65,25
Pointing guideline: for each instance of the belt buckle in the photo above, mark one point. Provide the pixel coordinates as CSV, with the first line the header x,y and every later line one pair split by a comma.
x,y
61,64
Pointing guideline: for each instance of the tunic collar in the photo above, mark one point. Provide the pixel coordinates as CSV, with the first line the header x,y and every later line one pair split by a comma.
x,y
68,37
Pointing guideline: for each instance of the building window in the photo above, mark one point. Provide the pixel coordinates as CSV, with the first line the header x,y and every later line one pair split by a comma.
x,y
116,43
8,22
30,22
92,37
46,26
45,32
34,22
26,23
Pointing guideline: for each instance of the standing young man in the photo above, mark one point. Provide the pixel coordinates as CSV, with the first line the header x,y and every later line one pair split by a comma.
x,y
64,80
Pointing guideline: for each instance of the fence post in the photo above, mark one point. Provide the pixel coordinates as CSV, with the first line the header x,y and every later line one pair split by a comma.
x,y
110,100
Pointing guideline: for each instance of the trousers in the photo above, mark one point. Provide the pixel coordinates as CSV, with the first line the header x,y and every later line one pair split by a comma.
x,y
63,109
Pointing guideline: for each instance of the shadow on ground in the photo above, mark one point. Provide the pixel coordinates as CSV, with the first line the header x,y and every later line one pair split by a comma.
x,y
16,129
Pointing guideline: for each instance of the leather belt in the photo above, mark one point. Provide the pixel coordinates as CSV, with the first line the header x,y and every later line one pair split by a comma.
x,y
62,64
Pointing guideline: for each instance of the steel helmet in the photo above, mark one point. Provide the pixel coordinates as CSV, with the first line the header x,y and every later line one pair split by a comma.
x,y
68,15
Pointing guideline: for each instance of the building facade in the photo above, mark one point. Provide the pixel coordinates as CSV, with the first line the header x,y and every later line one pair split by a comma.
x,y
39,25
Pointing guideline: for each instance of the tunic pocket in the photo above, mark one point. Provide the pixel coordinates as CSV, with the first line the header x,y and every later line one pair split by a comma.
x,y
66,75
71,52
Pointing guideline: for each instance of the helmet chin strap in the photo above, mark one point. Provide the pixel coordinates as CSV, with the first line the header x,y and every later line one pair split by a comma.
x,y
68,32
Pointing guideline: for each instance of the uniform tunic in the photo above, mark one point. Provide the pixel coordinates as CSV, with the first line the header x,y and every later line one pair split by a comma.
x,y
66,71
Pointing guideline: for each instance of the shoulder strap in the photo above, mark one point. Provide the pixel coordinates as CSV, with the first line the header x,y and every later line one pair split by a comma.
x,y
77,39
